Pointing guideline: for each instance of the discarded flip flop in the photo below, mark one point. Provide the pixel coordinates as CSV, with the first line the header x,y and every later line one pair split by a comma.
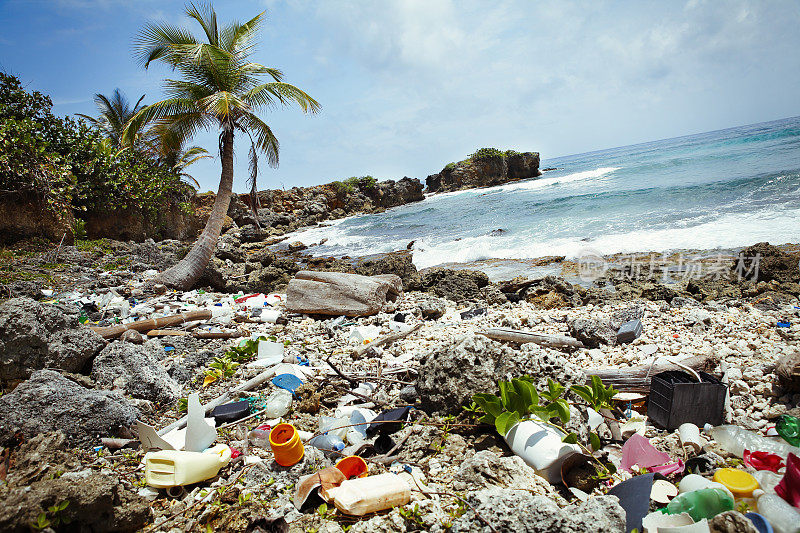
x,y
382,423
289,382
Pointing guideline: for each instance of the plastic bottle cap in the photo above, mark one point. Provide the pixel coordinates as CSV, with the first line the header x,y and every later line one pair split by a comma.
x,y
739,482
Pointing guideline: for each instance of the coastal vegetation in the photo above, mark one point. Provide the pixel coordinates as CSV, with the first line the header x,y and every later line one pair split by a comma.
x,y
220,88
70,167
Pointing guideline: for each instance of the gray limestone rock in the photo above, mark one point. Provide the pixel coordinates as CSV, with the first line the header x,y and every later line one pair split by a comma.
x,y
135,370
34,336
50,402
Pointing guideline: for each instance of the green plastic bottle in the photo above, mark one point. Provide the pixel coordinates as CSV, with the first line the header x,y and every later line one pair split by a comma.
x,y
788,427
703,503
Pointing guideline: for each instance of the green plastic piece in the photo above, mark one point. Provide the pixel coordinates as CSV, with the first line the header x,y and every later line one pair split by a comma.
x,y
703,503
788,427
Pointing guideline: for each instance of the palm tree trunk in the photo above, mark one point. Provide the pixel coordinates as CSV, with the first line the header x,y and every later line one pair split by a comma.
x,y
185,274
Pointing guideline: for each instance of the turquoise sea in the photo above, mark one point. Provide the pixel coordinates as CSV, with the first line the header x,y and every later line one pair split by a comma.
x,y
717,190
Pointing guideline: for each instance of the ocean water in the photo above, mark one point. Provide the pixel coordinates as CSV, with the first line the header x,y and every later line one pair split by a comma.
x,y
717,190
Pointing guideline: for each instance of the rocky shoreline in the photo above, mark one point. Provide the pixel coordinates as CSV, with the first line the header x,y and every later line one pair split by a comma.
x,y
60,376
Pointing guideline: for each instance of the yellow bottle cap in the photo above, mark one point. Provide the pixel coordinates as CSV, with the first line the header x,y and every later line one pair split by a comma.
x,y
739,482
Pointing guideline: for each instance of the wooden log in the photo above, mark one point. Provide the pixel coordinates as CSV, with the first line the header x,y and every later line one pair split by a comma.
x,y
218,334
337,293
637,378
386,339
522,337
167,333
112,332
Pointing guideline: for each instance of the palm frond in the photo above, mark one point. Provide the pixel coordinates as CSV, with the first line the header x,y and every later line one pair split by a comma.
x,y
267,94
265,140
207,18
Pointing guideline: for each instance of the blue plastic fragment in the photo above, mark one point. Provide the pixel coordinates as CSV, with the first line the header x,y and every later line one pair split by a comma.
x,y
784,324
289,382
759,522
218,304
303,361
169,348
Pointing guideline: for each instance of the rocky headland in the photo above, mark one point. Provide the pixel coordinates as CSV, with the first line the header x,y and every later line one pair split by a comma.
x,y
485,168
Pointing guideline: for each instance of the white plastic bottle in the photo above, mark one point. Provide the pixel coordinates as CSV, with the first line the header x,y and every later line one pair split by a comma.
x,y
278,403
327,443
370,494
736,440
781,515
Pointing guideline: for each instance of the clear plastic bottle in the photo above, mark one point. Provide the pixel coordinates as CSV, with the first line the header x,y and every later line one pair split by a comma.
x,y
781,515
327,443
736,440
278,403
259,436
703,503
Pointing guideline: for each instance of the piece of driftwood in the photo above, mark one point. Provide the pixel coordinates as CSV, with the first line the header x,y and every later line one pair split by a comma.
x,y
522,337
219,400
386,339
167,333
637,378
112,332
218,334
788,372
337,293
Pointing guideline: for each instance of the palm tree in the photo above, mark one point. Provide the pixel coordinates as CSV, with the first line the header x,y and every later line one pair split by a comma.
x,y
115,113
220,88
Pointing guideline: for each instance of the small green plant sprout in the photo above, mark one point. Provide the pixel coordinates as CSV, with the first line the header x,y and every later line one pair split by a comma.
x,y
598,397
51,517
743,508
244,497
325,512
412,515
519,400
246,350
220,368
183,405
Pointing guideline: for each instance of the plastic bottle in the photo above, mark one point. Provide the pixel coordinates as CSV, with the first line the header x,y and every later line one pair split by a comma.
x,y
259,436
173,468
781,516
327,443
788,427
703,503
370,494
736,440
541,447
278,403
334,426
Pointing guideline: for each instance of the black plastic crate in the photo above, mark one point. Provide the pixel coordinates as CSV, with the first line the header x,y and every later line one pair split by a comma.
x,y
676,397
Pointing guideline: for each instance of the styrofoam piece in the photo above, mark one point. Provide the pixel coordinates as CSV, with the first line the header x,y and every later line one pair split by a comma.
x,y
362,334
199,434
653,521
595,418
663,491
270,351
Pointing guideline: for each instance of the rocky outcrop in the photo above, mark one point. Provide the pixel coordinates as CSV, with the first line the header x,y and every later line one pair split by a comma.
x,y
24,216
399,263
35,336
455,285
50,402
453,371
136,371
46,473
486,171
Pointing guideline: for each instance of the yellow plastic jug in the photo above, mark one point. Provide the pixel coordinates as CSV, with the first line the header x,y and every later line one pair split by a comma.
x,y
173,468
369,494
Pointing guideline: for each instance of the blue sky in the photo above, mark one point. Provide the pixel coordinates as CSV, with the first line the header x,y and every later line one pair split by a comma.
x,y
407,86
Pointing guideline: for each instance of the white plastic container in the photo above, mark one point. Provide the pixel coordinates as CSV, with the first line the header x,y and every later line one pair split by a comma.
x,y
690,436
540,446
369,494
334,426
172,468
270,316
736,440
693,482
781,515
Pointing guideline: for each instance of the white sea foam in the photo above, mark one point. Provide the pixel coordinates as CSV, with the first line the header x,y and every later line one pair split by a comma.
x,y
727,231
546,182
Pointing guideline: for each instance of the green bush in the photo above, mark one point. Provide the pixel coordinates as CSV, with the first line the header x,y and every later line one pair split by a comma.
x,y
363,183
450,166
69,165
486,153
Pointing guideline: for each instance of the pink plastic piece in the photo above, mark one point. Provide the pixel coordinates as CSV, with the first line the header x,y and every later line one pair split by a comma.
x,y
637,450
789,487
